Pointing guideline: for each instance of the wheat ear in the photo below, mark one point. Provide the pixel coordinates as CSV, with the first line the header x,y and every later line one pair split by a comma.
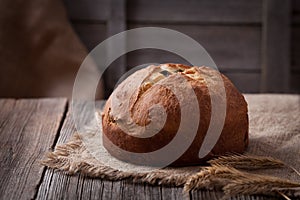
x,y
248,162
234,182
250,184
214,177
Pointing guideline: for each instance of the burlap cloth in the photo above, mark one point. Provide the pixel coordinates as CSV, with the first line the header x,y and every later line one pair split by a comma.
x,y
274,131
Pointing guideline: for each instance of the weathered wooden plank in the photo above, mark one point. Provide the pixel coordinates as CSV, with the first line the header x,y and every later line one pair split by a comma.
x,y
217,195
27,129
296,12
106,190
171,11
175,193
195,11
97,188
276,46
90,34
140,191
128,190
231,47
295,83
295,48
115,24
204,194
145,191
58,185
6,106
88,9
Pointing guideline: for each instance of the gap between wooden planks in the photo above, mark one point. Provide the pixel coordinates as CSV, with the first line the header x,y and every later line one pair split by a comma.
x,y
28,127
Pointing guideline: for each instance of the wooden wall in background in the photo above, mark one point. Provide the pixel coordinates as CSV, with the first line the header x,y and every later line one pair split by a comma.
x,y
295,47
255,43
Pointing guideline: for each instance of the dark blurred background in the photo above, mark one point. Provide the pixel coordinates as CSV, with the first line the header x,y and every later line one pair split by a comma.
x,y
255,43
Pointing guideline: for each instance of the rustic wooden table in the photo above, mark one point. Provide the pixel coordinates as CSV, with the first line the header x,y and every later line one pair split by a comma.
x,y
31,127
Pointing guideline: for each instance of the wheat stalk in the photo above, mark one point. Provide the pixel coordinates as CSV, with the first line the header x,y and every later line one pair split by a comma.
x,y
251,184
212,177
283,195
248,162
234,182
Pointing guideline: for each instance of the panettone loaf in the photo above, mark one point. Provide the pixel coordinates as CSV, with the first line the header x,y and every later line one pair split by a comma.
x,y
234,136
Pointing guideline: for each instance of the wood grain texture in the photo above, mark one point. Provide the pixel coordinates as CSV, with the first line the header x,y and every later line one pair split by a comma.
x,y
276,46
231,47
231,31
115,24
295,83
194,11
295,49
6,106
27,128
295,12
58,185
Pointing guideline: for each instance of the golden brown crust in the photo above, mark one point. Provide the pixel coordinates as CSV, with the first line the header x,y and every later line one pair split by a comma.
x,y
234,136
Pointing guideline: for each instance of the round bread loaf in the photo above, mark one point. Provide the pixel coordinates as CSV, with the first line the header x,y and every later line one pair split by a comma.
x,y
143,95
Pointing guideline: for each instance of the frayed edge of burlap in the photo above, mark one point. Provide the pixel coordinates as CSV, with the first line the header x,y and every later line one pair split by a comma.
x,y
73,158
